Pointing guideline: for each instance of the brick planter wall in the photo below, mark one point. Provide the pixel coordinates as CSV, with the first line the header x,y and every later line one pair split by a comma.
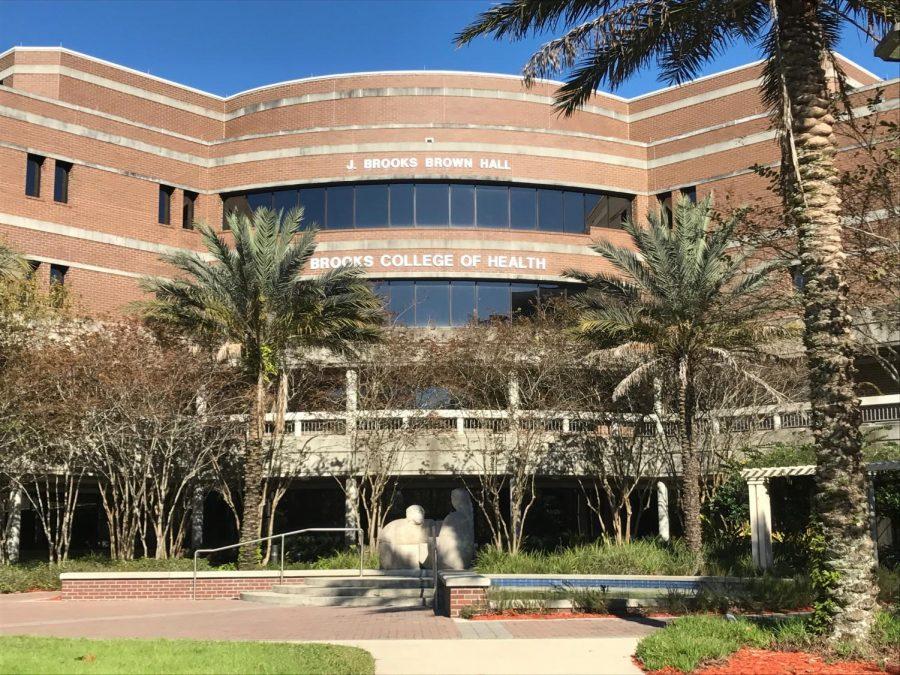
x,y
457,590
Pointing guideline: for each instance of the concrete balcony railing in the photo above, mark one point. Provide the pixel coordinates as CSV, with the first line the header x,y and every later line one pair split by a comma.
x,y
881,411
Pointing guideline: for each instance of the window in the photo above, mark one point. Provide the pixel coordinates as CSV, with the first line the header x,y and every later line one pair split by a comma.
x,y
690,193
58,275
61,182
33,165
619,212
462,302
284,201
462,205
432,303
259,200
402,302
340,208
233,205
313,203
493,206
372,206
550,210
402,205
187,210
524,299
432,205
493,300
573,212
165,204
665,205
522,208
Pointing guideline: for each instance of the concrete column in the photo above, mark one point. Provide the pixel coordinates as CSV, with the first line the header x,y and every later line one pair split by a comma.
x,y
351,507
14,525
662,509
760,523
198,501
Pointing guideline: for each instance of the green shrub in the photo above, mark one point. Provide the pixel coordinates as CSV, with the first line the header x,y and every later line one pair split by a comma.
x,y
340,560
687,642
886,631
645,556
889,585
590,600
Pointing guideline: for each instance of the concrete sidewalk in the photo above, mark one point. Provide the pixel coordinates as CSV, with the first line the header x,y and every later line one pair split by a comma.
x,y
578,656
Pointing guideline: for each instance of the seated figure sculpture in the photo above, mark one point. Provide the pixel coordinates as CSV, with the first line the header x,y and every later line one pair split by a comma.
x,y
456,535
403,543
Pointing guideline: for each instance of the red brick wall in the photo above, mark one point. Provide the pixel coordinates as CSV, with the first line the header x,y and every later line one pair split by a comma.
x,y
165,589
453,599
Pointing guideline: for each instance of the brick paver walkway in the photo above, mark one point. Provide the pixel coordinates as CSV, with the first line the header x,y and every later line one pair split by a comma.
x,y
40,614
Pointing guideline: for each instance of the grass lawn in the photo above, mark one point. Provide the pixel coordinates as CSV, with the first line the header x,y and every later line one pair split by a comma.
x,y
19,654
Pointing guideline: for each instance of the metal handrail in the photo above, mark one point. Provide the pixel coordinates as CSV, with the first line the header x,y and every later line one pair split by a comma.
x,y
359,539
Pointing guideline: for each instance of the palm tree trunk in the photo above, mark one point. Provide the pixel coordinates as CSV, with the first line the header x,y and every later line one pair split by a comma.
x,y
813,206
254,466
690,461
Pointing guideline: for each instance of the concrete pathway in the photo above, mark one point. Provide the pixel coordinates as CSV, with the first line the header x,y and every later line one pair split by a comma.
x,y
401,640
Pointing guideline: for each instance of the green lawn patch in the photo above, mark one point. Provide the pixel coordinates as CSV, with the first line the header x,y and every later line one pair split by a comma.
x,y
57,655
690,640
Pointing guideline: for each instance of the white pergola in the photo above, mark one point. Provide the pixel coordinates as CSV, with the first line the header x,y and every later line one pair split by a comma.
x,y
761,507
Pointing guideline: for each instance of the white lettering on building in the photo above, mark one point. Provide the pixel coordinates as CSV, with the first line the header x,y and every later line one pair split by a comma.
x,y
433,162
393,260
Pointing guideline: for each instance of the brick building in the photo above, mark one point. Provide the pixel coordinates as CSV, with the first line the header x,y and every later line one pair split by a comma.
x,y
460,193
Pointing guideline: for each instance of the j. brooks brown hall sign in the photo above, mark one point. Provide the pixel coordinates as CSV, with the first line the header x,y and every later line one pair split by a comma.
x,y
430,162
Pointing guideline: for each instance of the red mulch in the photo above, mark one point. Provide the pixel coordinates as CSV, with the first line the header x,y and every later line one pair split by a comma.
x,y
765,662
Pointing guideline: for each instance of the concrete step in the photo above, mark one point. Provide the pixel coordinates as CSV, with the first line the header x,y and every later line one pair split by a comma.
x,y
294,600
370,582
355,591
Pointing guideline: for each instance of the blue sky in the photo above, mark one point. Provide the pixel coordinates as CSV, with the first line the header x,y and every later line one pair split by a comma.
x,y
229,46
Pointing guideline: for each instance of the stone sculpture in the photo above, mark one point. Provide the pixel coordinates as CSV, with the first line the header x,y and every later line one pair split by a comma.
x,y
403,543
456,537
411,542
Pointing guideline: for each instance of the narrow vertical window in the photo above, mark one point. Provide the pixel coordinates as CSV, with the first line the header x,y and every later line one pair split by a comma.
x,y
61,182
187,210
58,275
165,204
664,199
690,193
33,166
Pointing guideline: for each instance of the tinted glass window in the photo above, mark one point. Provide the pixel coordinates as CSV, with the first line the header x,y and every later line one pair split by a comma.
x,y
58,274
372,206
258,200
340,208
284,200
493,300
432,303
61,182
33,165
187,210
462,205
402,205
595,210
432,204
234,204
313,202
462,302
383,290
619,211
573,212
524,299
522,208
690,193
550,291
550,210
165,205
402,302
493,206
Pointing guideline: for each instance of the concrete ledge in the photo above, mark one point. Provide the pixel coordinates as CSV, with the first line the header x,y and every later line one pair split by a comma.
x,y
235,574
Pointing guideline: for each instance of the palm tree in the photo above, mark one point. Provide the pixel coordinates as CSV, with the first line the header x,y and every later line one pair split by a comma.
x,y
681,302
607,42
12,265
252,294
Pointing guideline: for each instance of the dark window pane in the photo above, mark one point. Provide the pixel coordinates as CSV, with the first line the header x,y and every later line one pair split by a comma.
x,y
33,165
524,299
462,302
462,205
573,212
402,303
690,193
432,205
165,204
619,211
595,210
664,199
432,303
493,206
258,200
383,290
340,207
522,208
372,206
58,275
313,202
284,201
493,300
187,210
61,182
234,204
402,205
550,210
549,292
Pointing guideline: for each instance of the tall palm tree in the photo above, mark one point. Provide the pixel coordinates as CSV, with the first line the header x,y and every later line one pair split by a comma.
x,y
608,41
682,301
253,294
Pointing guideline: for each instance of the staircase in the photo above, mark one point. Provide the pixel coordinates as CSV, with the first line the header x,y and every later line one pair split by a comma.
x,y
374,591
